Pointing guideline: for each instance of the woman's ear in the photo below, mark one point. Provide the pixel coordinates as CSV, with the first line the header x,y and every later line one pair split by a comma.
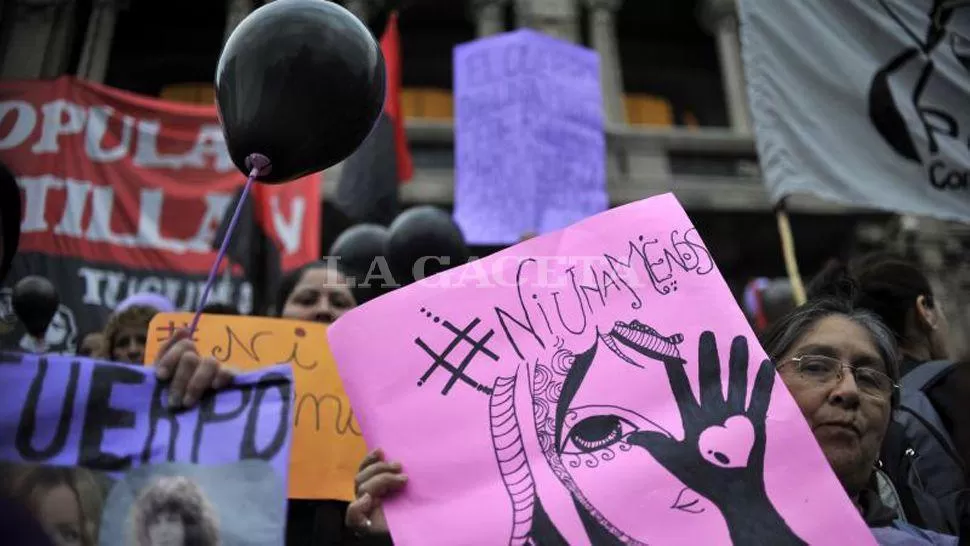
x,y
926,313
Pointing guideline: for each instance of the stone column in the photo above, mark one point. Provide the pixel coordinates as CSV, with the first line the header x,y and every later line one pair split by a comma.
x,y
360,8
602,22
58,53
559,18
32,47
97,42
721,19
489,16
236,11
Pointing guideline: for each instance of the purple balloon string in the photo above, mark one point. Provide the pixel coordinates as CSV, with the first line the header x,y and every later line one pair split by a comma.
x,y
225,246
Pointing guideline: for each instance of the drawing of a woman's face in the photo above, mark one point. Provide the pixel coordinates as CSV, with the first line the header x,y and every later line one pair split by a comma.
x,y
59,512
167,530
588,426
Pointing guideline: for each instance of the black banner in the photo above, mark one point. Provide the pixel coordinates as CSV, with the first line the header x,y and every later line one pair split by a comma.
x,y
89,292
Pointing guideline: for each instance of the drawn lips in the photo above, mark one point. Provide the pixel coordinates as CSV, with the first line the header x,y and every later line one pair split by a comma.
x,y
688,501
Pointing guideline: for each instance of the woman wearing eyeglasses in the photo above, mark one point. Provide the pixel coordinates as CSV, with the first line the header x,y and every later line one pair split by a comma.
x,y
927,449
841,366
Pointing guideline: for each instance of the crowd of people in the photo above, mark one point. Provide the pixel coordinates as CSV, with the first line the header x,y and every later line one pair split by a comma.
x,y
866,359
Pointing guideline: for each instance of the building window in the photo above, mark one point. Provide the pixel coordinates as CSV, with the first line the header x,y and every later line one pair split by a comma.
x,y
157,44
670,67
430,29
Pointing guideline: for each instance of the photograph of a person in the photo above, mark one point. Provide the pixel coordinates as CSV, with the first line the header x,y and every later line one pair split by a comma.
x,y
181,504
173,511
66,501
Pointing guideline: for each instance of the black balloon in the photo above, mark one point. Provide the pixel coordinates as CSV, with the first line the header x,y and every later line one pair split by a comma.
x,y
424,232
35,302
300,82
358,246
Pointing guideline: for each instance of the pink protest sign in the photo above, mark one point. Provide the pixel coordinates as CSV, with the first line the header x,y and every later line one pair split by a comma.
x,y
598,385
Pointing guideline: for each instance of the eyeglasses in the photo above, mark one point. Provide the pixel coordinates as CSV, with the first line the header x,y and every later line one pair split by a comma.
x,y
825,369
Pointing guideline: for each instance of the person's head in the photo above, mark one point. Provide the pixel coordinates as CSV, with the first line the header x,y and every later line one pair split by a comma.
x,y
90,345
220,308
126,333
899,293
173,511
840,364
316,292
66,502
766,300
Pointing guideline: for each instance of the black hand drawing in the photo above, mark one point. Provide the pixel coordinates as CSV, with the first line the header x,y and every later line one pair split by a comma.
x,y
885,111
736,487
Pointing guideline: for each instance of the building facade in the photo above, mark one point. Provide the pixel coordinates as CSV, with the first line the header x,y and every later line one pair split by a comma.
x,y
674,98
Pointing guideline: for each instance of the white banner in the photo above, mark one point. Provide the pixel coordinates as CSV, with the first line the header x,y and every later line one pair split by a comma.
x,y
862,102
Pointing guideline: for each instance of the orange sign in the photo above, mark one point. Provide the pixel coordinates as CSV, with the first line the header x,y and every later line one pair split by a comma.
x,y
327,444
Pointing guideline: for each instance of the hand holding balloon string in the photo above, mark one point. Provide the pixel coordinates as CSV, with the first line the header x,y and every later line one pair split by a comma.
x,y
190,374
316,137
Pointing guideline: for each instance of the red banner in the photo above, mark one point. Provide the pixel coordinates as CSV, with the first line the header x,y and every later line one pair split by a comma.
x,y
121,180
116,177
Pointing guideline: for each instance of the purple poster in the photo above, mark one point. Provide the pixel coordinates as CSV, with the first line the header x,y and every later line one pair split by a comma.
x,y
93,450
530,149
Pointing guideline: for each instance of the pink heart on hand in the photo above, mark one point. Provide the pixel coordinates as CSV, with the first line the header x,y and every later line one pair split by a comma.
x,y
728,445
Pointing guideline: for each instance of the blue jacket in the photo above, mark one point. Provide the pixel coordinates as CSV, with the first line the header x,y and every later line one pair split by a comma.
x,y
904,534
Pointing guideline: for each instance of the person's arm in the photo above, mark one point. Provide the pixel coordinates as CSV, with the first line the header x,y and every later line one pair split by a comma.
x,y
189,375
951,398
377,480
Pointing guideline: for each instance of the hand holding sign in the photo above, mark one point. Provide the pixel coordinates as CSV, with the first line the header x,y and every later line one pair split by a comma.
x,y
327,445
519,420
191,375
378,479
734,481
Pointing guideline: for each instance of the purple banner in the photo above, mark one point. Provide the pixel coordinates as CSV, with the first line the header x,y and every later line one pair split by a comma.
x,y
77,421
530,147
62,410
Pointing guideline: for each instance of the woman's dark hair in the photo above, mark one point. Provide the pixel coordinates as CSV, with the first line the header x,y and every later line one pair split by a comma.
x,y
220,308
886,284
785,332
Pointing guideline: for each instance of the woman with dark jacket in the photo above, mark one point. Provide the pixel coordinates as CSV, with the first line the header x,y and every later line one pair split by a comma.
x,y
928,443
839,364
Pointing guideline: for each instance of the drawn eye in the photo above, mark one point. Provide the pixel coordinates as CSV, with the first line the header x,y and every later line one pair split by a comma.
x,y
595,433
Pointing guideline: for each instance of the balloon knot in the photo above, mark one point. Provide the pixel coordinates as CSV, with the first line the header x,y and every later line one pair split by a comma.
x,y
260,163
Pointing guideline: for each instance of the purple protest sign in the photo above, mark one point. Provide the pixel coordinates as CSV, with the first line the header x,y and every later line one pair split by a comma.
x,y
530,150
106,431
